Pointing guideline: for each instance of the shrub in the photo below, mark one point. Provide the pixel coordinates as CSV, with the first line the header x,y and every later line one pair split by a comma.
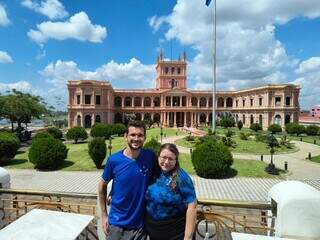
x,y
208,139
312,130
229,142
119,129
97,150
76,133
42,135
244,136
190,138
285,141
239,125
47,153
274,128
153,145
261,137
100,130
295,128
211,159
256,127
272,142
227,121
229,133
55,132
9,145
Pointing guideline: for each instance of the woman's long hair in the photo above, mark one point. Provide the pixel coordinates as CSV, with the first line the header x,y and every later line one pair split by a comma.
x,y
175,171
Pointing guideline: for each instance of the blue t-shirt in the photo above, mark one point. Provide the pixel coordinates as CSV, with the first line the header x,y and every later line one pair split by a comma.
x,y
130,180
163,203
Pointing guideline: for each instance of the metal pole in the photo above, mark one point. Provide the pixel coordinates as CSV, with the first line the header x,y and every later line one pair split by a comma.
x,y
214,58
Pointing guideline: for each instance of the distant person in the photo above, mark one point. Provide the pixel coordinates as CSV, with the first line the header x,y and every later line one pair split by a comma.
x,y
130,169
170,199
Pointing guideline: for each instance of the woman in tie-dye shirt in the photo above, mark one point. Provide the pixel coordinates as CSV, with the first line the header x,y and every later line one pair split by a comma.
x,y
170,199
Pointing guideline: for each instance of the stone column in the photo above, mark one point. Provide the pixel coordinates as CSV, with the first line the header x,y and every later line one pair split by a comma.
x,y
161,117
171,101
142,116
174,119
207,117
132,102
122,102
207,105
152,103
191,118
185,119
142,102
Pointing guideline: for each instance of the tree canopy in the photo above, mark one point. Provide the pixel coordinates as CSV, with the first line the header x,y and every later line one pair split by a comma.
x,y
21,107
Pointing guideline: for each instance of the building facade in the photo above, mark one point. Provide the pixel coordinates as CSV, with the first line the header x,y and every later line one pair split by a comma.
x,y
315,111
172,104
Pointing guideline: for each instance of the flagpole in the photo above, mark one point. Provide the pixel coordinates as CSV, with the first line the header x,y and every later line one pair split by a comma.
x,y
214,58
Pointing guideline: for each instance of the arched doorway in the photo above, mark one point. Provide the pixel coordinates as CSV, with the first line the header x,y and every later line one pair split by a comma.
x,y
138,116
203,118
277,120
117,101
128,102
156,118
98,119
118,118
287,119
87,121
79,121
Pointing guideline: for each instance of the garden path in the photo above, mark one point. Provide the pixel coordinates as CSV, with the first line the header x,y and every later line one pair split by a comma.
x,y
299,167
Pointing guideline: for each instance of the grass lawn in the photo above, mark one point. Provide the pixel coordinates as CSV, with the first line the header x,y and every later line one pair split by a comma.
x,y
78,158
243,146
316,159
308,139
240,168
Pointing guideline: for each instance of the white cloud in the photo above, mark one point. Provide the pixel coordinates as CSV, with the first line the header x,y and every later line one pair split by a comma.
x,y
5,57
309,66
309,75
155,22
121,75
53,9
22,86
248,53
4,20
77,27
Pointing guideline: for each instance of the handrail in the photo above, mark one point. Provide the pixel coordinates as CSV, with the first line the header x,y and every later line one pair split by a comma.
x,y
235,204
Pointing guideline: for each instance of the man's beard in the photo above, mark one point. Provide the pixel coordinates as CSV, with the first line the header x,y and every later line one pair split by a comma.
x,y
135,148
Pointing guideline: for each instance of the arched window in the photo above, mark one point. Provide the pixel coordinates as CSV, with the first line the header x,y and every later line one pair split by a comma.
x,y
87,121
287,119
220,102
127,102
229,102
156,101
117,101
137,101
277,120
194,101
79,121
147,102
203,102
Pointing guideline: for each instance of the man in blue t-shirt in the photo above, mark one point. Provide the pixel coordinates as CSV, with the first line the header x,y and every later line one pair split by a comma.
x,y
130,170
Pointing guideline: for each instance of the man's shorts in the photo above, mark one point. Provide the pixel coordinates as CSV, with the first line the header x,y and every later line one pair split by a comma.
x,y
118,233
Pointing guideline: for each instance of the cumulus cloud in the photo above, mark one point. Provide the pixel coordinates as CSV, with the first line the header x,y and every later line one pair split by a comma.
x,y
308,78
22,86
132,74
4,20
248,53
77,27
53,9
5,57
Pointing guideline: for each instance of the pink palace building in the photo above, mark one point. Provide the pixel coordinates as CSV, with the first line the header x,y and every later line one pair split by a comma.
x,y
172,104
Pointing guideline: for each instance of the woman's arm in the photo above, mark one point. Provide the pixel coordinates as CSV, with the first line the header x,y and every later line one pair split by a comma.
x,y
191,217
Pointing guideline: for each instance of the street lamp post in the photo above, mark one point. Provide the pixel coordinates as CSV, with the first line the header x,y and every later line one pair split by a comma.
x,y
161,133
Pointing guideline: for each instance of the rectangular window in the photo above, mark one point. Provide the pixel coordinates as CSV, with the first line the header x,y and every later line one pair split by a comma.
x,y
260,101
243,102
184,101
78,99
277,101
288,101
87,99
179,70
98,100
244,119
251,102
237,103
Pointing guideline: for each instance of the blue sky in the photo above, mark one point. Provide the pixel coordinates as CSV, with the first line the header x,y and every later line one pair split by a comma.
x,y
45,43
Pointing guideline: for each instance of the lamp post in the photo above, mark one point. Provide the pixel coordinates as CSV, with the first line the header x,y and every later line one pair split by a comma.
x,y
110,145
161,133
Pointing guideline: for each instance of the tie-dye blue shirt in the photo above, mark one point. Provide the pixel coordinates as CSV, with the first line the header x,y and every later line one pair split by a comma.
x,y
163,203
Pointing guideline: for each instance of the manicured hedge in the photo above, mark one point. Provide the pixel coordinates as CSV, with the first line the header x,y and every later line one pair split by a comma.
x,y
274,128
9,145
97,150
76,133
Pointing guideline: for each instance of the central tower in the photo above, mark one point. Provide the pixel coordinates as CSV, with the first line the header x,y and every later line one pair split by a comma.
x,y
171,74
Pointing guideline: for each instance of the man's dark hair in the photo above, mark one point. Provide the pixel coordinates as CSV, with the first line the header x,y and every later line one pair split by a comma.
x,y
136,124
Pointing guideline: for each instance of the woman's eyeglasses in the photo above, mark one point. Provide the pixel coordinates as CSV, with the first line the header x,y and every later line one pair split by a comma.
x,y
165,158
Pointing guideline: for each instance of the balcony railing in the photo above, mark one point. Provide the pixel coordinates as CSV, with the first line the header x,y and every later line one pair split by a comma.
x,y
215,218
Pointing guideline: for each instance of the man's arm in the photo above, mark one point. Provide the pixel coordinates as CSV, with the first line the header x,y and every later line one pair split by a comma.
x,y
191,216
102,190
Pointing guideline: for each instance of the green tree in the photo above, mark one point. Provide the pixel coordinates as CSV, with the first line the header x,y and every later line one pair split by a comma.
x,y
97,150
227,121
256,127
274,128
76,133
153,145
21,107
239,125
272,143
312,130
